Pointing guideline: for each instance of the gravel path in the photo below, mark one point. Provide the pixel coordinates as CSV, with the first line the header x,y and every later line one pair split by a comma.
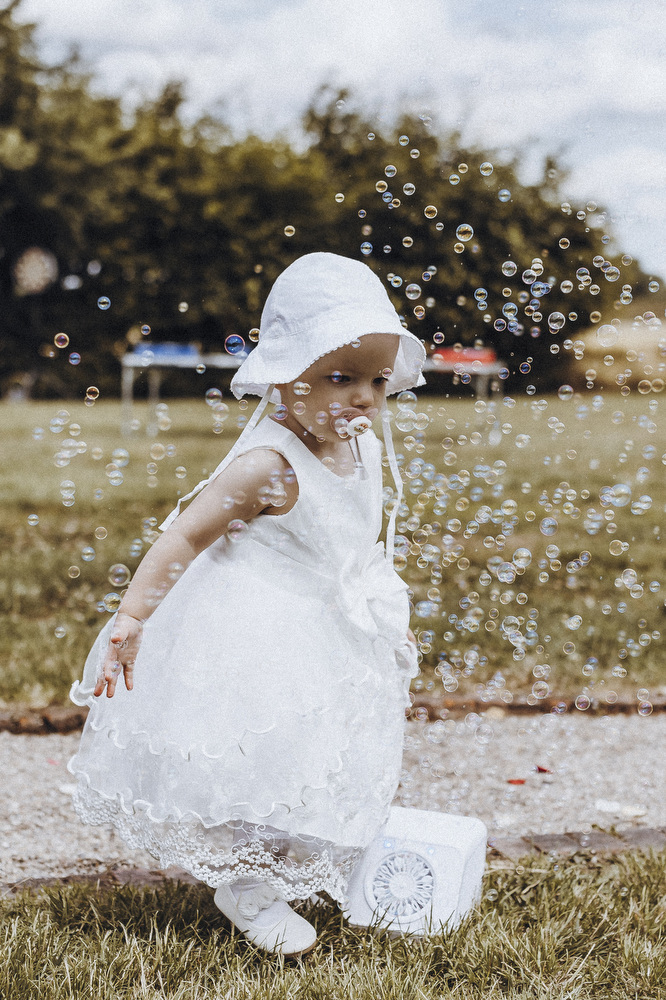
x,y
605,771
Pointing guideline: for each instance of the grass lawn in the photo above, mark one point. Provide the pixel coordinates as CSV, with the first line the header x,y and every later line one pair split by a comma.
x,y
524,581
573,930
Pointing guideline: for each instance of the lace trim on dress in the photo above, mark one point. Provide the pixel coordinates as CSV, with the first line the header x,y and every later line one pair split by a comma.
x,y
295,867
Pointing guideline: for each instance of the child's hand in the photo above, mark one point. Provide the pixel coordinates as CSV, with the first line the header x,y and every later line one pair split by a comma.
x,y
121,654
411,636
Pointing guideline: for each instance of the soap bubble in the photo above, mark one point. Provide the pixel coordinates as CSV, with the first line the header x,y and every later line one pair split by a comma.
x,y
556,320
236,530
509,268
565,392
103,302
366,248
504,195
486,168
406,399
302,388
607,335
464,232
430,211
390,170
548,526
120,457
289,230
408,189
111,601
213,397
413,291
339,197
61,340
119,575
234,344
618,495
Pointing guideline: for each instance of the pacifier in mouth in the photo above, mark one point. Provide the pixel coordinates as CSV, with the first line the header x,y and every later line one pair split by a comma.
x,y
350,422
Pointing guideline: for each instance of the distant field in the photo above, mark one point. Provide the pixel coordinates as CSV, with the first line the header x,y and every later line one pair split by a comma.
x,y
495,620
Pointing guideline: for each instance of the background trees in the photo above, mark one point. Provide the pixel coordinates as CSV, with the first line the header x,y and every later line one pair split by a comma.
x,y
184,227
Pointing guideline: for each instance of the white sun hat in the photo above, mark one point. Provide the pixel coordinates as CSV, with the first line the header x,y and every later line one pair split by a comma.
x,y
320,303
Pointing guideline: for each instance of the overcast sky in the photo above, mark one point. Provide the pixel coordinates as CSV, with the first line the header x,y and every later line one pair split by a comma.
x,y
586,80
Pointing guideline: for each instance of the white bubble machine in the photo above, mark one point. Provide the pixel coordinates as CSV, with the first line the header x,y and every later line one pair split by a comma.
x,y
421,874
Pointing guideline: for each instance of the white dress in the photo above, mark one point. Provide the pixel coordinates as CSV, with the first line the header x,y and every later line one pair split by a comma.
x,y
264,733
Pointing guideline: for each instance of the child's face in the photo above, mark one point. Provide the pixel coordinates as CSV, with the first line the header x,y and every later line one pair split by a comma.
x,y
349,378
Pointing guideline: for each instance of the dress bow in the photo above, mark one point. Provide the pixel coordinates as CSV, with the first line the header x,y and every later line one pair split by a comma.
x,y
372,597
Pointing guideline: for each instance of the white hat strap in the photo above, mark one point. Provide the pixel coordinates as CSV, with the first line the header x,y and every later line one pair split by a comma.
x,y
397,479
228,458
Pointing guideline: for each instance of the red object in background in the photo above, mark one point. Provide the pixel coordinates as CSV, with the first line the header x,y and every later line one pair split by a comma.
x,y
516,781
543,770
449,356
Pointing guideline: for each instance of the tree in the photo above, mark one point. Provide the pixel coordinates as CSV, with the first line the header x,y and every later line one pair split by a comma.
x,y
185,228
417,189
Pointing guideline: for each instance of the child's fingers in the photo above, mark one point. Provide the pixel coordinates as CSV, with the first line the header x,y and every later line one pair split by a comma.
x,y
120,656
128,673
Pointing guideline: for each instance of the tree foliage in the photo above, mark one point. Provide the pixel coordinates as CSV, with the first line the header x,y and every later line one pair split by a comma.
x,y
184,227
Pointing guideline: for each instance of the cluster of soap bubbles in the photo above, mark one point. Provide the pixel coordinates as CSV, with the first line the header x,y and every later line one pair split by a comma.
x,y
464,502
219,409
455,535
528,525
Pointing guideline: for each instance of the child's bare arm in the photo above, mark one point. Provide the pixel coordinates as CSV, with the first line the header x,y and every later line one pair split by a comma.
x,y
203,522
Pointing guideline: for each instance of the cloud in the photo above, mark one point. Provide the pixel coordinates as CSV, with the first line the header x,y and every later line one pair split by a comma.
x,y
589,78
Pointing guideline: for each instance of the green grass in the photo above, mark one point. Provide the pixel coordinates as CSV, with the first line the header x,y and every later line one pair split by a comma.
x,y
570,456
559,930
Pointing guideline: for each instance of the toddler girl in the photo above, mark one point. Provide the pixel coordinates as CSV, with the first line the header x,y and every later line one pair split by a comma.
x,y
257,739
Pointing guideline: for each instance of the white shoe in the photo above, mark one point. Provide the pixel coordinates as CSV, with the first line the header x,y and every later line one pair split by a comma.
x,y
266,920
